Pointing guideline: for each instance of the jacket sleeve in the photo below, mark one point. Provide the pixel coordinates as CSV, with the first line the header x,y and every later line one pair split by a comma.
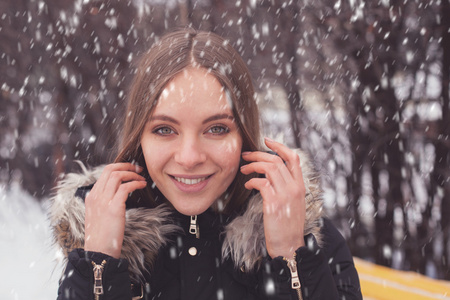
x,y
77,283
340,262
326,272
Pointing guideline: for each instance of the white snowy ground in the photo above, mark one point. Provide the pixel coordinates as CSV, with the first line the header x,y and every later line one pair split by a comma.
x,y
28,261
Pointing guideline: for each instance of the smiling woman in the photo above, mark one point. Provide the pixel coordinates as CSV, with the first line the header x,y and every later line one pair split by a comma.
x,y
191,144
193,207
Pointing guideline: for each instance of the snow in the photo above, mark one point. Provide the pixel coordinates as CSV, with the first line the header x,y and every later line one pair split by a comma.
x,y
28,260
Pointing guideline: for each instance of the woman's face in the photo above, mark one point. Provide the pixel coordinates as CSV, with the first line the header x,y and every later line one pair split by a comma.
x,y
191,143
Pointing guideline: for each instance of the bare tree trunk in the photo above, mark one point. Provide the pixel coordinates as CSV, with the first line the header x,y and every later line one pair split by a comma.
x,y
442,162
358,143
385,143
185,12
292,86
60,131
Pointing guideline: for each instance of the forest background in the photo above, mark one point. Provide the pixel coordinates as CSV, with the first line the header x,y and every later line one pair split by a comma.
x,y
363,86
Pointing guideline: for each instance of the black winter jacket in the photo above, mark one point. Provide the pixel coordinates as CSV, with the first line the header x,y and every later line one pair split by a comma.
x,y
161,259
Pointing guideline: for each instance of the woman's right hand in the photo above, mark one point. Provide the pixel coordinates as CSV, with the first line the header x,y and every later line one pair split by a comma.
x,y
105,207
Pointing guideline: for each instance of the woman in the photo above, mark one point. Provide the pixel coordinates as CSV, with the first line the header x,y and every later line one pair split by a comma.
x,y
210,215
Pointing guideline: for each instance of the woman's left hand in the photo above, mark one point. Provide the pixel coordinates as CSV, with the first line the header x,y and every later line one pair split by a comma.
x,y
283,192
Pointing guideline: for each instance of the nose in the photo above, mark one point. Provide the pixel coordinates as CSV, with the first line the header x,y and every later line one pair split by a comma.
x,y
190,153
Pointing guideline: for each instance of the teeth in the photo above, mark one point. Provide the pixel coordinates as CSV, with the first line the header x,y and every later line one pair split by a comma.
x,y
189,181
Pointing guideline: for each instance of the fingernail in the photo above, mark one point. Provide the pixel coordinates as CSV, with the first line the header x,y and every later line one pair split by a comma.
x,y
269,140
245,153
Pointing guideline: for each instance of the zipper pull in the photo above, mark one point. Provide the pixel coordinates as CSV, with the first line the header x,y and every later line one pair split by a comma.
x,y
98,283
193,228
295,281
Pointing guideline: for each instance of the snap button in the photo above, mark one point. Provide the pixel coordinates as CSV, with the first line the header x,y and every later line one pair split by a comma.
x,y
192,251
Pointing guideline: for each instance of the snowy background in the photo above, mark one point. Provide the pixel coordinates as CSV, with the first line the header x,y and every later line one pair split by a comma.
x,y
360,85
29,268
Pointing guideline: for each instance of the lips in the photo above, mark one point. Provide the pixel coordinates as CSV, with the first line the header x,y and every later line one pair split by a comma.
x,y
189,183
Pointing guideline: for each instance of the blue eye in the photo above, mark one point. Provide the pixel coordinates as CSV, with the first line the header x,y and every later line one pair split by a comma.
x,y
163,131
218,129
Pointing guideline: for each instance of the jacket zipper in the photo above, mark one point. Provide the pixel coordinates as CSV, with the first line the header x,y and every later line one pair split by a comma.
x,y
193,228
295,281
98,282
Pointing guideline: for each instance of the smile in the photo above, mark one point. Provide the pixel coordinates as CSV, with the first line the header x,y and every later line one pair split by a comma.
x,y
191,184
189,181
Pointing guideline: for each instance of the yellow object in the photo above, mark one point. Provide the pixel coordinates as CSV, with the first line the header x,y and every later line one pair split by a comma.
x,y
382,283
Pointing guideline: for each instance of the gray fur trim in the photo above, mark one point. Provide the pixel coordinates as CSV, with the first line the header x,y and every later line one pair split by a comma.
x,y
244,240
67,211
146,231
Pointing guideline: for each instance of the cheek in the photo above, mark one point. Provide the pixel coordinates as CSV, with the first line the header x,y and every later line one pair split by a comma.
x,y
232,145
231,153
151,156
145,151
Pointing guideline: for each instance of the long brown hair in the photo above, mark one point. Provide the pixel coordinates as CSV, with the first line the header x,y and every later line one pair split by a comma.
x,y
173,53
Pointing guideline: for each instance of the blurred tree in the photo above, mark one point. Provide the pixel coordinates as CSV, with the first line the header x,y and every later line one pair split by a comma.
x,y
358,77
441,172
385,63
66,86
391,51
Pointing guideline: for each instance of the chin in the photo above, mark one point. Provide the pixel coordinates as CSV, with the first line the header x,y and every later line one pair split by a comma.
x,y
189,210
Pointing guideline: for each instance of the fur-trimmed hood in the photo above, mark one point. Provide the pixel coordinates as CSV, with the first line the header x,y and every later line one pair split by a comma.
x,y
147,230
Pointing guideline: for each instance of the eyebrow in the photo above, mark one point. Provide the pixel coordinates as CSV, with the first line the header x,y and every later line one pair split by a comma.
x,y
218,117
207,120
164,118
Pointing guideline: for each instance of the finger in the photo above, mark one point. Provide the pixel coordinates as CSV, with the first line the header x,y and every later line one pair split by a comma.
x,y
272,158
106,173
289,156
262,185
257,183
277,168
261,156
126,166
126,188
116,179
106,189
276,173
268,194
